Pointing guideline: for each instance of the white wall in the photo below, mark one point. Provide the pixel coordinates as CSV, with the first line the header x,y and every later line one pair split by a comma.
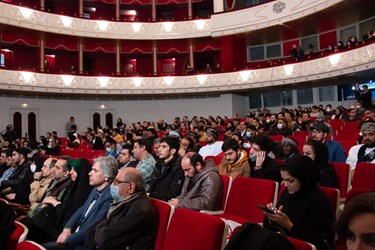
x,y
53,114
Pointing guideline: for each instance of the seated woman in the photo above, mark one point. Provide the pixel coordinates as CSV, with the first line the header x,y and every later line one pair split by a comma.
x,y
47,223
303,211
318,152
356,224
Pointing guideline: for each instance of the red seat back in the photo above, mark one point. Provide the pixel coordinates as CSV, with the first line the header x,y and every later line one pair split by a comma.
x,y
29,245
343,174
245,193
227,183
364,176
333,195
204,231
17,236
165,212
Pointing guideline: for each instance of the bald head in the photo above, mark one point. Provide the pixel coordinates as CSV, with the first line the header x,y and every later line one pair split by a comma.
x,y
134,176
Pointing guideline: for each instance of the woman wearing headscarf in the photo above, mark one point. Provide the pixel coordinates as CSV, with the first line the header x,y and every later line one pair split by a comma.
x,y
318,152
303,211
53,219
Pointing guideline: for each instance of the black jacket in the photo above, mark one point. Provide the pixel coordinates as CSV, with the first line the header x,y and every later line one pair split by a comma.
x,y
311,215
270,170
167,184
130,224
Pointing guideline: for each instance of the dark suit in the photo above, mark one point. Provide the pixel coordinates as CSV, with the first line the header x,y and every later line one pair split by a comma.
x,y
99,209
97,144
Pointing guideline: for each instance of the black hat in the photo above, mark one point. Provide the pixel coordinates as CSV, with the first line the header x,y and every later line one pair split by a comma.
x,y
212,132
320,126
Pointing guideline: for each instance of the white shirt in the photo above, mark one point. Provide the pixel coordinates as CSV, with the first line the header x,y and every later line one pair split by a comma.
x,y
353,155
213,149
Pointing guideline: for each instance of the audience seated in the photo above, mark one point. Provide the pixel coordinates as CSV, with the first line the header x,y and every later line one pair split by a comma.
x,y
126,158
318,152
303,211
96,206
131,222
202,189
261,164
213,147
143,153
364,152
287,148
356,224
47,222
168,176
235,161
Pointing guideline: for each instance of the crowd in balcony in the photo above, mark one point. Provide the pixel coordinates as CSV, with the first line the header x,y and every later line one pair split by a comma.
x,y
179,162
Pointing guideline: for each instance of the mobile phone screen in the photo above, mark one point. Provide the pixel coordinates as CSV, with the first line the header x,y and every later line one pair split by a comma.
x,y
265,209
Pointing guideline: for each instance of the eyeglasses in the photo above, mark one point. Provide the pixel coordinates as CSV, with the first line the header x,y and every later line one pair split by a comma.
x,y
117,182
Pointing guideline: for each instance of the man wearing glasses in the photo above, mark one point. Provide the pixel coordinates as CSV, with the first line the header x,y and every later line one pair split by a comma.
x,y
131,222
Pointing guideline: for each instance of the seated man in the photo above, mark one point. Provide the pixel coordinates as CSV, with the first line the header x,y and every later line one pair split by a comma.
x,y
41,182
126,158
287,148
131,222
168,177
96,206
234,162
213,147
202,188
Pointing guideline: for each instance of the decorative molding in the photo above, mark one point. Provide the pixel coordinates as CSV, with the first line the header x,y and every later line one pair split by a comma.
x,y
222,24
355,60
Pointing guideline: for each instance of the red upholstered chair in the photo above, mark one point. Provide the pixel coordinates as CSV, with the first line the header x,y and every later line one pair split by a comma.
x,y
333,195
97,153
17,236
343,174
364,176
300,139
227,184
165,212
217,159
29,245
244,194
276,138
85,153
301,245
353,193
193,230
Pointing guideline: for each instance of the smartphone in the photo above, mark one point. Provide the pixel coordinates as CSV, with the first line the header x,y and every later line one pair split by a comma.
x,y
265,209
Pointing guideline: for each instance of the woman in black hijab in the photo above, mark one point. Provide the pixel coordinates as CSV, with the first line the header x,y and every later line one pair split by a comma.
x,y
318,152
303,211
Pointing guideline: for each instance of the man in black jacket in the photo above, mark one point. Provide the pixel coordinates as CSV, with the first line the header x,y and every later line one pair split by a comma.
x,y
17,187
131,222
168,176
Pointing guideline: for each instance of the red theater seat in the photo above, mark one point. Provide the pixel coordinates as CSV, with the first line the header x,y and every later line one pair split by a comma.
x,y
343,174
165,212
364,176
29,245
17,236
193,230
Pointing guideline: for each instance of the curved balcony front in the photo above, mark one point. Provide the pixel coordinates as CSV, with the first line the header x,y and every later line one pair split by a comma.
x,y
348,62
249,19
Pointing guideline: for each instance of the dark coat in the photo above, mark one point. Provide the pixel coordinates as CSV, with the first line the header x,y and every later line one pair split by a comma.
x,y
130,224
166,184
7,227
270,170
99,209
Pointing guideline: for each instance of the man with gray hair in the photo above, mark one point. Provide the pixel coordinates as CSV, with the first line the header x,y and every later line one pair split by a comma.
x,y
131,222
364,152
96,206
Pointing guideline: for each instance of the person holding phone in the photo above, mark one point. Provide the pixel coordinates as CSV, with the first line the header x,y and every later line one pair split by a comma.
x,y
303,211
262,166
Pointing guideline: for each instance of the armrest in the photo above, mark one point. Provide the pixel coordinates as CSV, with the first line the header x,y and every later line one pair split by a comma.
x,y
212,212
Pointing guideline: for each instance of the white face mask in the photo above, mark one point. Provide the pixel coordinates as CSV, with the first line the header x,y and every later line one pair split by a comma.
x,y
279,125
108,149
33,167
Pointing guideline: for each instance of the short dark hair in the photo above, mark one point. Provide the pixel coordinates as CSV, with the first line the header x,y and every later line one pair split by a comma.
x,y
264,142
145,143
191,143
67,166
172,142
129,147
230,144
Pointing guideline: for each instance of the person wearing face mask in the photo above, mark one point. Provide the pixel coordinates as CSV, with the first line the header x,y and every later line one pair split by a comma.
x,y
364,152
131,222
95,207
281,128
110,147
261,164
